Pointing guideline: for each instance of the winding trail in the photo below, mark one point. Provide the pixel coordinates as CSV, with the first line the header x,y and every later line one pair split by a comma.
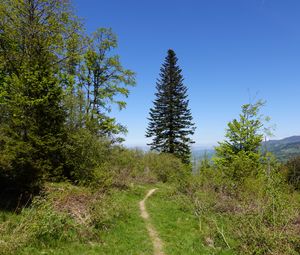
x,y
156,241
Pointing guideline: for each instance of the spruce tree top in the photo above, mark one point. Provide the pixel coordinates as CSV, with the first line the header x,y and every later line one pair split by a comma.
x,y
170,121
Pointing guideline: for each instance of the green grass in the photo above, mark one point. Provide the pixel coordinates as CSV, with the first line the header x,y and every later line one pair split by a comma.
x,y
116,227
129,235
178,226
124,231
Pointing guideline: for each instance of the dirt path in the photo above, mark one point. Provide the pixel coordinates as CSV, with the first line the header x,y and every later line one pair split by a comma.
x,y
157,243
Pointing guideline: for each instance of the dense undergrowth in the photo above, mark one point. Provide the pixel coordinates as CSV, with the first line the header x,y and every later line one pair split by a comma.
x,y
210,212
68,215
258,216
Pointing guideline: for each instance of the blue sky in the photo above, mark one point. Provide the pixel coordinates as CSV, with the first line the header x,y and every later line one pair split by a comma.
x,y
229,50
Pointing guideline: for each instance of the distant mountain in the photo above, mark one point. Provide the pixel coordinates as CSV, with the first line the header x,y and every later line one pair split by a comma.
x,y
284,149
200,153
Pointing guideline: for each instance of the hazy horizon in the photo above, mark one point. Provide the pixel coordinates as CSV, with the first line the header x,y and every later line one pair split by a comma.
x,y
196,146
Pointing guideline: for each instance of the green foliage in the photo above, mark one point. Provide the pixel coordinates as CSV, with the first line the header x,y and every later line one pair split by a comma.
x,y
84,153
124,167
270,228
32,43
284,149
258,217
242,165
203,163
73,220
243,134
166,167
95,162
239,156
55,83
90,94
107,209
39,226
121,168
100,83
170,121
293,172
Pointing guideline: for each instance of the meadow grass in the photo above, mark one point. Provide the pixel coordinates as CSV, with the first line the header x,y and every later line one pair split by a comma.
x,y
174,218
116,227
125,234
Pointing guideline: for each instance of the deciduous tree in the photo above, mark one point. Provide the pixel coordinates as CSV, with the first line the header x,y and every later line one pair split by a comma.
x,y
240,155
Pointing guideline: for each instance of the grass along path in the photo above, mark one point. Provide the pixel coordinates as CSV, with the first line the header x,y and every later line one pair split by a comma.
x,y
156,241
134,225
126,233
174,219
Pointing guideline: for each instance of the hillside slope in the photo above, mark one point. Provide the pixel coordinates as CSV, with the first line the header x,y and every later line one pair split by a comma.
x,y
284,149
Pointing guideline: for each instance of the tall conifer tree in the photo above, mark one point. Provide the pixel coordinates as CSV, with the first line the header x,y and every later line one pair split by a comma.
x,y
170,121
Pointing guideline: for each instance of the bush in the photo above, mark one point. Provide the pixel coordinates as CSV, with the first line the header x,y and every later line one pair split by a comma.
x,y
124,166
166,167
40,225
84,153
240,165
105,209
129,166
63,214
293,172
92,161
256,216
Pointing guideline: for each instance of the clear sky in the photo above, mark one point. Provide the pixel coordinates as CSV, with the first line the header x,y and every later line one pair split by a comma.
x,y
229,50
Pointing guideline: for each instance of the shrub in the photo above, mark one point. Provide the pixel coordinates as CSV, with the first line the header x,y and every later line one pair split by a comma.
x,y
120,168
166,167
124,166
38,225
293,172
84,152
257,216
105,209
240,165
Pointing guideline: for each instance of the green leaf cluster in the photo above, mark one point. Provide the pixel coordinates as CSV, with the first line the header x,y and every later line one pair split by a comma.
x,y
56,84
239,156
